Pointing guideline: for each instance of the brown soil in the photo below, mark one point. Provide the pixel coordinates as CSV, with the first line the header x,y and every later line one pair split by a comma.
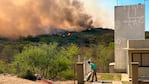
x,y
14,80
8,79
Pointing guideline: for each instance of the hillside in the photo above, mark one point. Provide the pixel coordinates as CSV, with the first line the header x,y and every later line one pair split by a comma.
x,y
96,44
84,38
87,38
89,43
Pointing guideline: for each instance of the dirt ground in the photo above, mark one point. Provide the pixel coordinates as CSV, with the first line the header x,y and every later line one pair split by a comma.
x,y
8,79
14,80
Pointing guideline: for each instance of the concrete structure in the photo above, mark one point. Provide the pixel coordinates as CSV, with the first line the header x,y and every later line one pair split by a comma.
x,y
80,72
138,51
135,78
111,67
135,73
87,67
129,25
144,82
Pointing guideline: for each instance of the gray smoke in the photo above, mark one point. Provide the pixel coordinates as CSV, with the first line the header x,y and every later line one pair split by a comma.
x,y
20,18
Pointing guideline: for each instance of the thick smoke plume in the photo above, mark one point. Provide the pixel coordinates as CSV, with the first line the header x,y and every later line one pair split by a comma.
x,y
20,18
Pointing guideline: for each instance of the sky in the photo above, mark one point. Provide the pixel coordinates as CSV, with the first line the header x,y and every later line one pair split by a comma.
x,y
111,3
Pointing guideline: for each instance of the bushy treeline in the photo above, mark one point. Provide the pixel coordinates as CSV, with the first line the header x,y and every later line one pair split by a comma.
x,y
101,55
56,62
48,60
54,56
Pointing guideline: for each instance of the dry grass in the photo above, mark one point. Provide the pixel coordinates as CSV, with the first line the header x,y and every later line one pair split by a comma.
x,y
14,80
108,76
126,82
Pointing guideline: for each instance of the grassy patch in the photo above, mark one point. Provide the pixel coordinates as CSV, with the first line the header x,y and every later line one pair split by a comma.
x,y
126,82
109,76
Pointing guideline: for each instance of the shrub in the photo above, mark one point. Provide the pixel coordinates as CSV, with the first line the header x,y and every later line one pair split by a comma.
x,y
3,67
68,74
28,75
47,60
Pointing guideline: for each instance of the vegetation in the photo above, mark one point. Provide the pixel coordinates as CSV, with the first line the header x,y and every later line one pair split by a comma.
x,y
126,82
109,76
54,56
48,60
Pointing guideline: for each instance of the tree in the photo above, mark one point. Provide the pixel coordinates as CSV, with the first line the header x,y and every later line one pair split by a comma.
x,y
48,60
8,52
105,55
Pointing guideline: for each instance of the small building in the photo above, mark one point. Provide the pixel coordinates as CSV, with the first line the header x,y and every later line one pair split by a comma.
x,y
138,51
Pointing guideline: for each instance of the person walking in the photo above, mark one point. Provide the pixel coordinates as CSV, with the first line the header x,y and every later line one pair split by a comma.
x,y
93,67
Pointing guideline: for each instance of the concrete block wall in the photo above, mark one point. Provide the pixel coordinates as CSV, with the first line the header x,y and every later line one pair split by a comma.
x,y
129,25
138,43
